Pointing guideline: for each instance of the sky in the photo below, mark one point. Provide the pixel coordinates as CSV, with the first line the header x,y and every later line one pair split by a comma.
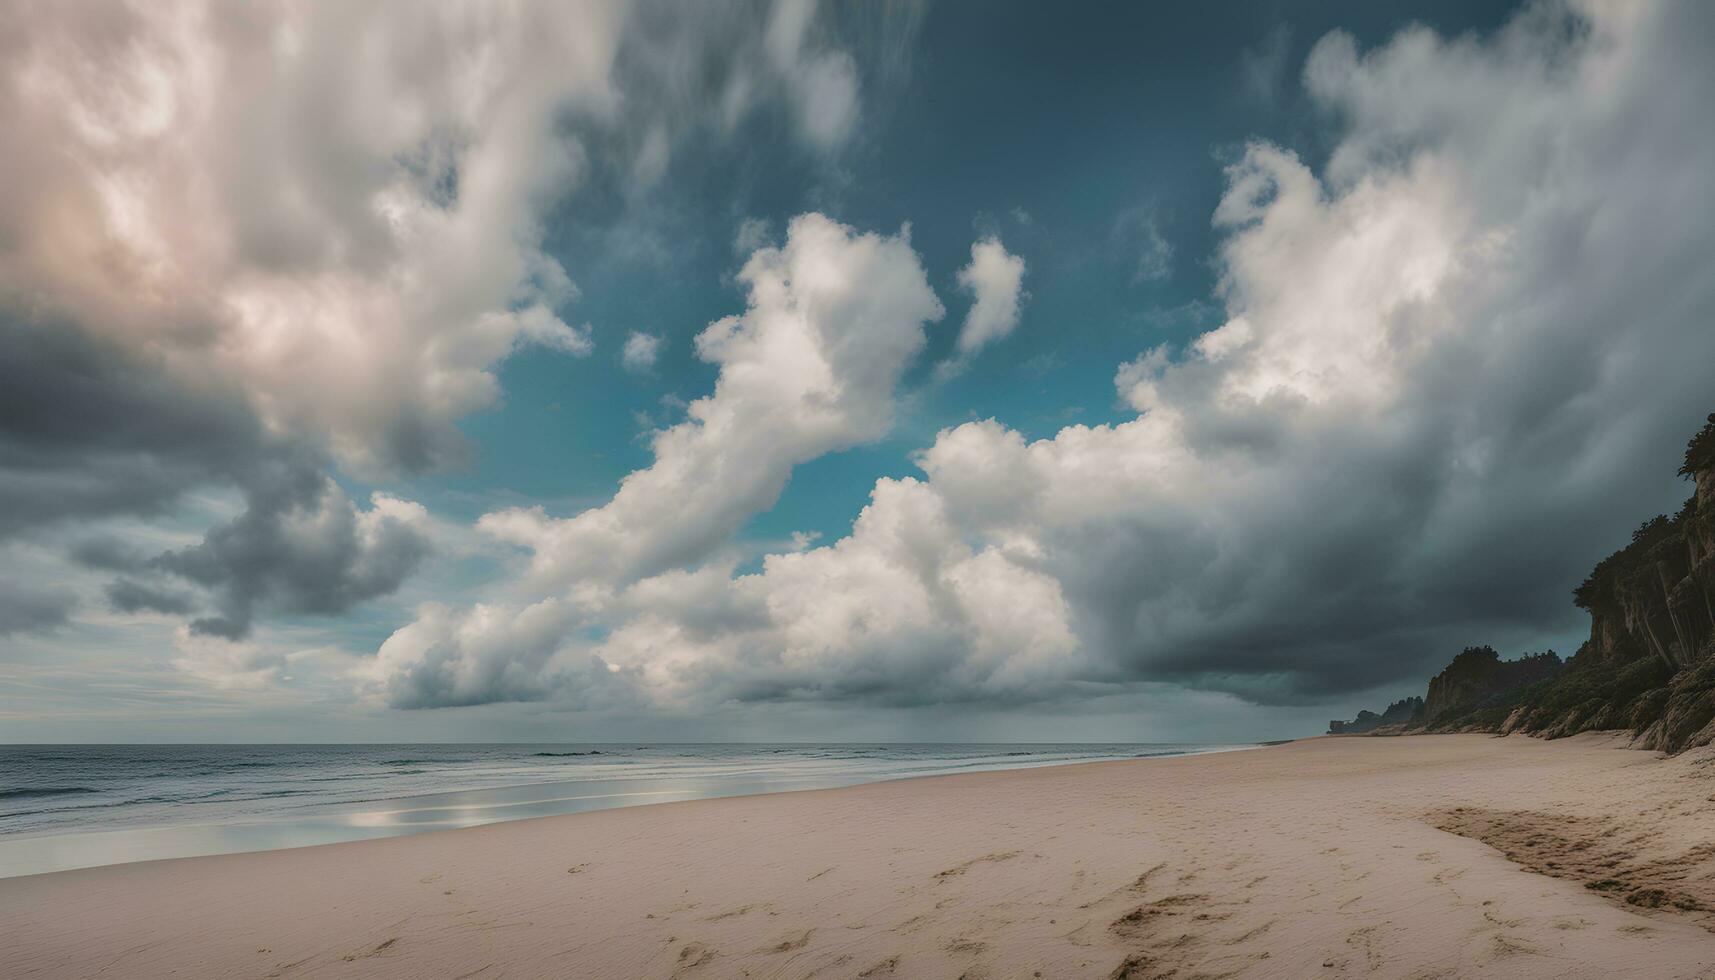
x,y
777,371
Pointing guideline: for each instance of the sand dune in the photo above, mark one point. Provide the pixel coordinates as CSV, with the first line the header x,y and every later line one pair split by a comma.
x,y
1432,856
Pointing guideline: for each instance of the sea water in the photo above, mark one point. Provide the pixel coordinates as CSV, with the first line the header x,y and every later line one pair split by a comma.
x,y
76,806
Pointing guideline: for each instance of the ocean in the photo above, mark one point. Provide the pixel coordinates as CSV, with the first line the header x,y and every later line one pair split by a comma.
x,y
76,806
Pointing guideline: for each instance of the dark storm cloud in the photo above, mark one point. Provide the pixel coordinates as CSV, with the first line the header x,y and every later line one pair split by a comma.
x,y
91,431
88,429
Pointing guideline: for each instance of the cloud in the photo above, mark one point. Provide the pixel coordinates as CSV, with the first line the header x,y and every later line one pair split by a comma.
x,y
488,654
1264,67
1420,417
129,596
641,350
752,234
89,430
823,81
233,666
300,547
995,280
297,546
1138,231
809,368
26,609
344,231
298,240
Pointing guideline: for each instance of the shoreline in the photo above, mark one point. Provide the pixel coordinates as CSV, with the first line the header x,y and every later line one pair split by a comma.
x,y
1316,857
639,781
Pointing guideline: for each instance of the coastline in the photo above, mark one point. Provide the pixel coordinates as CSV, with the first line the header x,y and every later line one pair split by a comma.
x,y
141,803
1322,857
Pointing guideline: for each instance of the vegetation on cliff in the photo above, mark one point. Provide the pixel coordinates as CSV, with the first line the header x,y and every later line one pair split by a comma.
x,y
1700,454
1649,664
1398,713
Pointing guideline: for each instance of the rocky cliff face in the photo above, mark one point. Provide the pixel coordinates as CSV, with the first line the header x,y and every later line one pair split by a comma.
x,y
1649,664
1478,676
1654,597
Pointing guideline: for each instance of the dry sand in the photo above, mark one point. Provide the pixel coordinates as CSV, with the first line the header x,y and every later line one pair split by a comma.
x,y
1324,858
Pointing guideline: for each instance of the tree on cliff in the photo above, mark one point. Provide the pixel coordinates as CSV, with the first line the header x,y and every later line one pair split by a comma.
x,y
1700,454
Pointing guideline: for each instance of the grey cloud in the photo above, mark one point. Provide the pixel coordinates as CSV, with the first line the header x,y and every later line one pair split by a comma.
x,y
300,546
129,596
108,554
436,682
1264,67
88,429
32,610
1137,231
495,655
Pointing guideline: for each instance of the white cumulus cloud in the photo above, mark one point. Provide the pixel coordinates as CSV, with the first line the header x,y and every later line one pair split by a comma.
x,y
640,351
995,280
810,367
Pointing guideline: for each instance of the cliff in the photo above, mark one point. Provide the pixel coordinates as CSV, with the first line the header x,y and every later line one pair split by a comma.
x,y
1649,664
1478,678
1400,712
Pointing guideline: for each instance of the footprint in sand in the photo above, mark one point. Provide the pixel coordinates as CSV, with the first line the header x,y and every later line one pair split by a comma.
x,y
793,942
1143,918
1365,940
1252,933
1135,967
692,956
959,869
885,968
909,925
379,949
1136,887
281,969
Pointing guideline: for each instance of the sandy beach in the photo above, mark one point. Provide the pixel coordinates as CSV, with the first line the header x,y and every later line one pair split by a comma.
x,y
1419,857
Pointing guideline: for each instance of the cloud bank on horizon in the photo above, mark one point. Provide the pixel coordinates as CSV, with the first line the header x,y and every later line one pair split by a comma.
x,y
260,258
